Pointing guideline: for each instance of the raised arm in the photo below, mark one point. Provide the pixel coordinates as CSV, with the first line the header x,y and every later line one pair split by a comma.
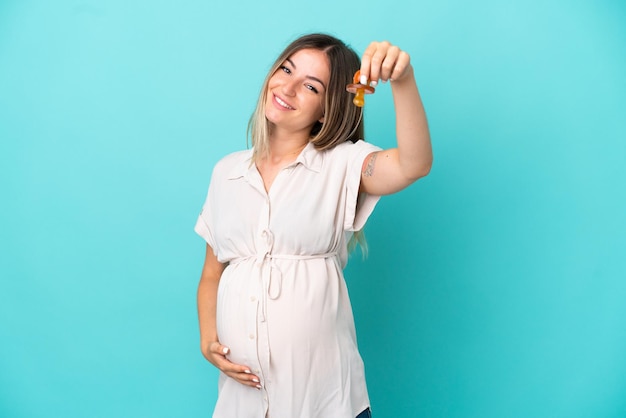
x,y
391,170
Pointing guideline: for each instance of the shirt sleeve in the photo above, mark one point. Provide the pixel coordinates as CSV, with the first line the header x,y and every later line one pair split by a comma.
x,y
359,206
204,224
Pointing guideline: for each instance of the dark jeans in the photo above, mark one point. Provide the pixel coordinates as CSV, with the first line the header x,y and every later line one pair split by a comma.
x,y
365,414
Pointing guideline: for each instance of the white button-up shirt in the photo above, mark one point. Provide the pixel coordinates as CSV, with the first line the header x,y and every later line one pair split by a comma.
x,y
282,306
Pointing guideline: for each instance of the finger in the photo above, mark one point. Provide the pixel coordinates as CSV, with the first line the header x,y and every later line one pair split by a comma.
x,y
241,374
389,62
366,60
227,366
218,348
402,64
246,379
377,59
236,371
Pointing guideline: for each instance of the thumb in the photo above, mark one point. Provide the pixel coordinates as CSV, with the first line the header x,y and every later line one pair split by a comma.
x,y
221,349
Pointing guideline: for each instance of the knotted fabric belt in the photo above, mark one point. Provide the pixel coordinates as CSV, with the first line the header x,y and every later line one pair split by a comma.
x,y
271,276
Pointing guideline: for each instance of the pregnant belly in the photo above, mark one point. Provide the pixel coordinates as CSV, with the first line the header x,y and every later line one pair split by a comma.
x,y
310,310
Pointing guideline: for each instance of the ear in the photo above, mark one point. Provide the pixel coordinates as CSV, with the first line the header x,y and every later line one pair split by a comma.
x,y
321,120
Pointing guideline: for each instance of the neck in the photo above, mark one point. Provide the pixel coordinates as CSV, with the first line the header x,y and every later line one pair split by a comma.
x,y
283,151
286,146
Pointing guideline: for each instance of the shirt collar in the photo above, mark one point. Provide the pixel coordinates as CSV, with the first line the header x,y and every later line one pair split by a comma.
x,y
241,168
309,157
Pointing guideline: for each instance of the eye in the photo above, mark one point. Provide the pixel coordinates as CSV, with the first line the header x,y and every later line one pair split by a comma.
x,y
312,88
285,69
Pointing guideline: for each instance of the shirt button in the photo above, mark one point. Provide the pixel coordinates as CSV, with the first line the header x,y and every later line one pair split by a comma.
x,y
251,336
252,299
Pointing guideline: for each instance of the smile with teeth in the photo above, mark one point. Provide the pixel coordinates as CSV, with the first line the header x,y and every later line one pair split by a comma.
x,y
282,103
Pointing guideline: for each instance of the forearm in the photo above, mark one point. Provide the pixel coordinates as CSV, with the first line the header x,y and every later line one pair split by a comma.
x,y
415,154
207,304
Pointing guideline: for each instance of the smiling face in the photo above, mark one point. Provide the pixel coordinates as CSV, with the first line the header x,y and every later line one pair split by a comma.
x,y
296,92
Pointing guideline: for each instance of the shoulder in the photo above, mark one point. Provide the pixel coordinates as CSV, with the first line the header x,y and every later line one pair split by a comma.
x,y
232,162
351,150
234,158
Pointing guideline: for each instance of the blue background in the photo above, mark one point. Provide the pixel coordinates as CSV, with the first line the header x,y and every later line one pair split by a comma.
x,y
495,287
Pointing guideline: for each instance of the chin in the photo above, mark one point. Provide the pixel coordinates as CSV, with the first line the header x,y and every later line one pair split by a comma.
x,y
271,118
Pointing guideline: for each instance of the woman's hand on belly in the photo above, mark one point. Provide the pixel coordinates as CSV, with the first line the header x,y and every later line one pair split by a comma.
x,y
215,353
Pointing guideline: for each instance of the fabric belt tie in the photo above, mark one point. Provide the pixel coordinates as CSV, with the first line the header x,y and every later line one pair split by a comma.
x,y
272,277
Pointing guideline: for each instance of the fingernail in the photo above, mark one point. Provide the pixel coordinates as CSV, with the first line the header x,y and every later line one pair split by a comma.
x,y
374,83
225,350
247,371
255,380
363,79
258,387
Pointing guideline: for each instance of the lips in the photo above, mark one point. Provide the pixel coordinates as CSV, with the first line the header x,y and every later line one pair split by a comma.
x,y
283,104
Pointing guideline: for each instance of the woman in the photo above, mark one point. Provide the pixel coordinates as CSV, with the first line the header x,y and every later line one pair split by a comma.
x,y
273,308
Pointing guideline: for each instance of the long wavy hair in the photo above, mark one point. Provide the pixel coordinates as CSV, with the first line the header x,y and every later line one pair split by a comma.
x,y
343,121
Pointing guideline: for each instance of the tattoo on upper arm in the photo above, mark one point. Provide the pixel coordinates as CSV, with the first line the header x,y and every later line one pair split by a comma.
x,y
369,168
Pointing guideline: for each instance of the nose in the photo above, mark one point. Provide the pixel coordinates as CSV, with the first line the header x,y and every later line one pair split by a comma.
x,y
289,87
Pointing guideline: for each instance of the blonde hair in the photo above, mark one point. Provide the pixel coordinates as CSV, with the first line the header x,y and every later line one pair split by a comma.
x,y
343,121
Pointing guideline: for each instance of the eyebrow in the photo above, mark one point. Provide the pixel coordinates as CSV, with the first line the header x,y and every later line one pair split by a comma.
x,y
308,76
